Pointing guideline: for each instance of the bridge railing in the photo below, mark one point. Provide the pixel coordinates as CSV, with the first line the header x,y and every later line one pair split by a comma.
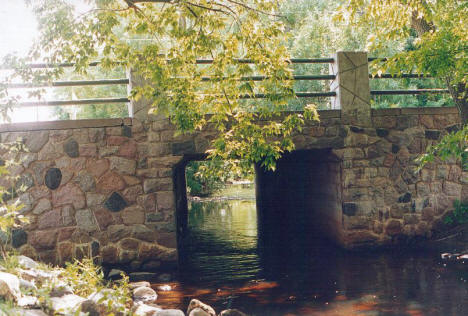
x,y
330,78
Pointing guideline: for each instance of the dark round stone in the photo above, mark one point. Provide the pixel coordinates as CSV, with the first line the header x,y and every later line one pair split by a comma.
x,y
18,238
95,248
71,148
115,202
53,178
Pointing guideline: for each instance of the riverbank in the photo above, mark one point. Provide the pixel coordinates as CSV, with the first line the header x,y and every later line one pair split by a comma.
x,y
29,288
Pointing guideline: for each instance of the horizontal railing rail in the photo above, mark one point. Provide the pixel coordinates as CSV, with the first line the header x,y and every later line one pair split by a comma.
x,y
298,94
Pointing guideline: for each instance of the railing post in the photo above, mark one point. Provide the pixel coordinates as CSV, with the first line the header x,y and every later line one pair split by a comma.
x,y
352,87
138,109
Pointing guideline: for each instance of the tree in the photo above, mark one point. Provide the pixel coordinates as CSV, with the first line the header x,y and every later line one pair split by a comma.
x,y
177,33
441,47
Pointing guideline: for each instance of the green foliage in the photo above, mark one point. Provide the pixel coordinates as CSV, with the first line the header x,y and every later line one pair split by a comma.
x,y
200,183
10,205
171,36
459,214
435,34
452,145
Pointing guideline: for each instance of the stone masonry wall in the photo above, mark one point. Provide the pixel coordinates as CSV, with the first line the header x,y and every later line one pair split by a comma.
x,y
108,191
384,199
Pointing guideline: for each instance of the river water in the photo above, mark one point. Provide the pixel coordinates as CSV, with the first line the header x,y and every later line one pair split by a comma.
x,y
228,265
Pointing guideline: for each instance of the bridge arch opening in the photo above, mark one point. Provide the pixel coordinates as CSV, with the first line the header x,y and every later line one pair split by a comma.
x,y
297,204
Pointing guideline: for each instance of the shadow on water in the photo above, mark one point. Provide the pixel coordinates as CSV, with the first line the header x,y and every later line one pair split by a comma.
x,y
229,263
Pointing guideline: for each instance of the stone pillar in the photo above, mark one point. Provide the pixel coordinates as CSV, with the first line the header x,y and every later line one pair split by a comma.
x,y
138,109
352,88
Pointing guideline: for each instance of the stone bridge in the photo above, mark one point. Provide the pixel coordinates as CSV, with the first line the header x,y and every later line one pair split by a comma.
x,y
116,188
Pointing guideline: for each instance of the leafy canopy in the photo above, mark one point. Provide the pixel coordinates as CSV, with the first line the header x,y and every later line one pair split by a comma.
x,y
441,47
161,40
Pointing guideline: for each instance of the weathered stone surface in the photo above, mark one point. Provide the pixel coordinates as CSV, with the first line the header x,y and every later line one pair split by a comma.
x,y
145,310
110,182
43,239
88,150
123,165
142,232
196,304
132,193
85,220
115,202
66,304
65,251
9,286
69,194
85,181
35,141
154,185
94,199
165,200
110,254
133,215
128,150
71,148
118,232
97,167
144,294
50,219
147,201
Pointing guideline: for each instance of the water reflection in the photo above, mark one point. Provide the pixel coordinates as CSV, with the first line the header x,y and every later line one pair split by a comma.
x,y
229,266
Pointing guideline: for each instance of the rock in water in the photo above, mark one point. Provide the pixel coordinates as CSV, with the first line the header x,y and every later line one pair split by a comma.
x,y
170,312
198,312
144,294
9,286
141,309
134,285
194,304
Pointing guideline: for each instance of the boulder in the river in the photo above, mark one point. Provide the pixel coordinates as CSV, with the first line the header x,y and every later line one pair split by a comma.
x,y
9,286
144,294
141,309
198,312
196,304
232,312
170,312
134,285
